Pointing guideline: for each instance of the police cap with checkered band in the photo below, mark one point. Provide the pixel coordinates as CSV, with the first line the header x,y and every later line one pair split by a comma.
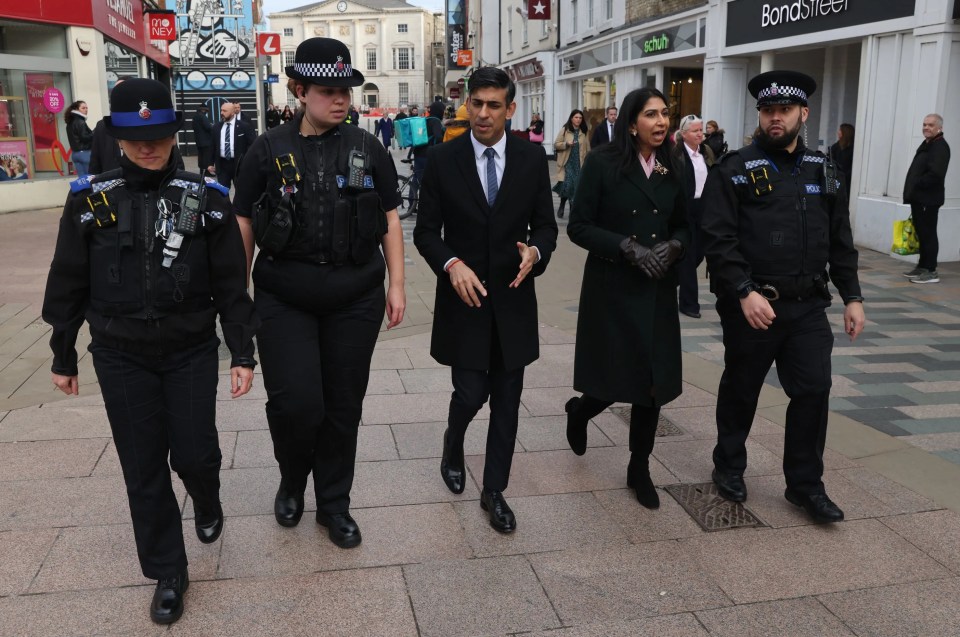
x,y
325,62
141,110
782,87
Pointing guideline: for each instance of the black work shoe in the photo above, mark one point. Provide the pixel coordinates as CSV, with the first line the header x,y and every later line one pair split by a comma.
x,y
820,507
691,313
730,485
501,516
342,528
576,429
167,604
208,525
451,464
288,506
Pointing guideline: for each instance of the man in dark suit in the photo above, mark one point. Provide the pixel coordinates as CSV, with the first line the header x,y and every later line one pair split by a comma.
x,y
231,139
486,227
202,136
603,132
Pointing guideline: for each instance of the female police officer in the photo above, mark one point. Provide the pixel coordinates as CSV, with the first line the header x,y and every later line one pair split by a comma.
x,y
149,255
313,195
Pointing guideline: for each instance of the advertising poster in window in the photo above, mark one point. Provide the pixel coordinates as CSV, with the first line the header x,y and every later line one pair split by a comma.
x,y
14,159
42,121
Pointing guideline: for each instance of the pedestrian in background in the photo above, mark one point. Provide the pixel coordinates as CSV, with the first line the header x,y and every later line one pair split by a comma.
x,y
603,132
535,129
203,137
119,264
384,128
287,114
769,268
924,189
79,136
693,158
842,153
629,214
572,147
714,138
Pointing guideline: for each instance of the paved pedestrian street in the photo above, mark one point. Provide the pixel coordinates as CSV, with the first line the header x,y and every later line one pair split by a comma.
x,y
586,559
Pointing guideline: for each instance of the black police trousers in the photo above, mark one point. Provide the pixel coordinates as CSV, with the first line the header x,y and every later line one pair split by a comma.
x,y
160,405
800,342
315,361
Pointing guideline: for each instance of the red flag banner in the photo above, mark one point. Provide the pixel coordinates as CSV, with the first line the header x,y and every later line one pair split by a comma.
x,y
538,9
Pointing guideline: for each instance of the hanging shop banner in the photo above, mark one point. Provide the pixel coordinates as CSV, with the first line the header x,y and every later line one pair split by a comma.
x,y
456,32
760,20
42,121
538,9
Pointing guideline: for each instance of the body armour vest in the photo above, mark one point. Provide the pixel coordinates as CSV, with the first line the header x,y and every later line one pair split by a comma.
x,y
126,233
784,216
307,187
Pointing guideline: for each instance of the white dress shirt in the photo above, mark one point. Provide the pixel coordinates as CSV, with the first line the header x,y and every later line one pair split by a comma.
x,y
233,137
699,169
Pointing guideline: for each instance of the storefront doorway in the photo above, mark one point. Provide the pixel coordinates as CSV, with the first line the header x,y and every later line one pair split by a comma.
x,y
684,91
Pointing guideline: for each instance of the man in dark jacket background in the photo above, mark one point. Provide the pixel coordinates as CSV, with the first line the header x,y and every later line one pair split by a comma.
x,y
202,135
924,191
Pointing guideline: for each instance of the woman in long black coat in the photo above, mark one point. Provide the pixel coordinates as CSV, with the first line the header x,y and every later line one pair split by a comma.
x,y
629,213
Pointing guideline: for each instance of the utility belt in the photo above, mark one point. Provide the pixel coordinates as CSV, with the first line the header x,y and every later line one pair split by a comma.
x,y
798,288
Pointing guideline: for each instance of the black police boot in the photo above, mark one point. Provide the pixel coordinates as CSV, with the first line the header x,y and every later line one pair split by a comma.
x,y
818,505
288,505
209,524
167,604
501,515
576,426
342,528
730,485
452,468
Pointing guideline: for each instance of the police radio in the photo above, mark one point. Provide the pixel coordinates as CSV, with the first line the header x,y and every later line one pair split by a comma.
x,y
830,178
357,163
191,207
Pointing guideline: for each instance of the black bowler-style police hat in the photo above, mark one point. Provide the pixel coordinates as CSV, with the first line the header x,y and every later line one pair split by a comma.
x,y
325,62
782,87
141,110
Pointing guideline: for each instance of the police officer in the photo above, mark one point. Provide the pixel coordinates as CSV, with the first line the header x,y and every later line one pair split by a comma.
x,y
149,256
777,229
319,198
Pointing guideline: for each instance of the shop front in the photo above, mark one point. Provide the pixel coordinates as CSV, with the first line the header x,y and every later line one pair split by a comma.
x,y
666,54
880,65
534,81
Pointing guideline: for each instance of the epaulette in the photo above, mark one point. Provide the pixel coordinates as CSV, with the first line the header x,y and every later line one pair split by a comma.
x,y
110,184
81,183
729,153
216,185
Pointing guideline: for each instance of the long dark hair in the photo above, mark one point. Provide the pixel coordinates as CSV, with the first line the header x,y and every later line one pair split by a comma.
x,y
69,114
583,121
846,136
623,144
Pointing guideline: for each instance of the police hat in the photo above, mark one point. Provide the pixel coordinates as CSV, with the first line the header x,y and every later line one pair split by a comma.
x,y
141,110
325,62
782,87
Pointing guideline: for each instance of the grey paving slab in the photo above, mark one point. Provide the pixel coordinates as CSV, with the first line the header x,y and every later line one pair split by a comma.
x,y
546,401
384,381
544,433
492,596
928,426
755,565
668,522
111,612
691,460
241,415
612,426
937,533
425,439
679,625
544,523
56,421
402,482
415,341
774,444
50,458
895,497
390,359
701,422
21,555
94,557
804,617
946,441
250,491
256,546
921,609
425,381
426,407
549,472
591,585
369,601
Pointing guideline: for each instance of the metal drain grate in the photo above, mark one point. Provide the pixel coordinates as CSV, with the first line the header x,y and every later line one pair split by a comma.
x,y
711,510
664,426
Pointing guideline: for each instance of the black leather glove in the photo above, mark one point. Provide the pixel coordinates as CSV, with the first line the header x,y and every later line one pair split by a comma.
x,y
668,252
643,257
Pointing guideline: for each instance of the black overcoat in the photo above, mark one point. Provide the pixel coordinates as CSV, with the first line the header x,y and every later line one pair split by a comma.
x,y
454,220
628,329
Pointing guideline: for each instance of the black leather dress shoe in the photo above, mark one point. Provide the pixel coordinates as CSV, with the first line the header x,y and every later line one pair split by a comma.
x,y
342,528
730,485
501,516
576,428
208,525
451,464
167,604
288,506
820,507
691,314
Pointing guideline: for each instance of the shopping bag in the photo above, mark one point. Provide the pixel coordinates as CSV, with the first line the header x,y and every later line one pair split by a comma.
x,y
905,237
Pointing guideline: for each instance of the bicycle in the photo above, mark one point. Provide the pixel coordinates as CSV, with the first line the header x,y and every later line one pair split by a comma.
x,y
403,187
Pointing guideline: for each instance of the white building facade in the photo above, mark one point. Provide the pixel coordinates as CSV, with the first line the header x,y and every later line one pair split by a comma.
x,y
396,46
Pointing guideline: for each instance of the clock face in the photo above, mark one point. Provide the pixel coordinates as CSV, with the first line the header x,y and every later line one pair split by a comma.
x,y
341,6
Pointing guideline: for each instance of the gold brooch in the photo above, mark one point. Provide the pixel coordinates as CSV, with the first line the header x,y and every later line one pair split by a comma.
x,y
660,168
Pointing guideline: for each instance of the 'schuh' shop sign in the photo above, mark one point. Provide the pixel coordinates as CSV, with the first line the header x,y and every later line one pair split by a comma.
x,y
759,20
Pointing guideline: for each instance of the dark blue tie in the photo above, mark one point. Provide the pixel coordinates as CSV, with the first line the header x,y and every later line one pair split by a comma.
x,y
492,186
227,152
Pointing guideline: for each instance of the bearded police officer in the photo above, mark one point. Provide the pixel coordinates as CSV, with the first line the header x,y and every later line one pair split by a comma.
x,y
777,230
149,256
319,198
